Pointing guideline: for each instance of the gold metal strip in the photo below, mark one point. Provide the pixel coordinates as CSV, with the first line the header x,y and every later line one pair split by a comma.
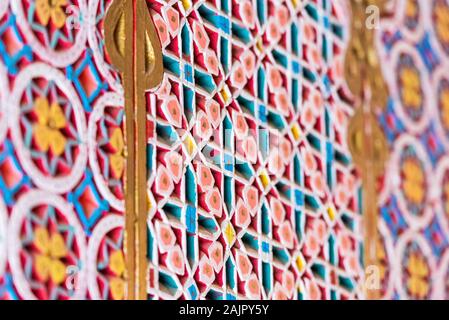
x,y
148,75
365,138
134,47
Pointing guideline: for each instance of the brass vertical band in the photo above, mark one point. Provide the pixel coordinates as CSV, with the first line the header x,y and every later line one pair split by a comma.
x,y
366,140
129,36
119,45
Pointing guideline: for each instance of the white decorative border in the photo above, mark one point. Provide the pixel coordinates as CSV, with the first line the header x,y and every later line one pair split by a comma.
x,y
412,126
61,58
52,184
4,87
393,175
441,274
437,190
401,245
95,46
108,100
107,224
436,43
440,74
29,200
3,236
3,7
423,19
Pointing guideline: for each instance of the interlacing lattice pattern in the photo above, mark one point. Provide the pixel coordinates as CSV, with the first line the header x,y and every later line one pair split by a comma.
x,y
61,154
414,226
251,187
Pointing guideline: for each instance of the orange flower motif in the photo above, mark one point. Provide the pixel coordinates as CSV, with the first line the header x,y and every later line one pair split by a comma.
x,y
117,159
418,283
442,21
117,283
49,259
50,121
381,255
411,90
47,10
413,181
411,8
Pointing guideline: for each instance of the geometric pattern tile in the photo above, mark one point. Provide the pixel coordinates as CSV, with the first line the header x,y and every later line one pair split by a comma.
x,y
414,208
252,190
61,154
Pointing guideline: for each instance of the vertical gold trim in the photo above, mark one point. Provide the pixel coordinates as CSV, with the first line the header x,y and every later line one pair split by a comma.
x,y
129,35
148,75
116,37
366,140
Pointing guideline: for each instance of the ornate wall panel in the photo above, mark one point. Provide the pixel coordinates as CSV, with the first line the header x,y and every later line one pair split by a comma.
x,y
61,154
252,191
414,227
